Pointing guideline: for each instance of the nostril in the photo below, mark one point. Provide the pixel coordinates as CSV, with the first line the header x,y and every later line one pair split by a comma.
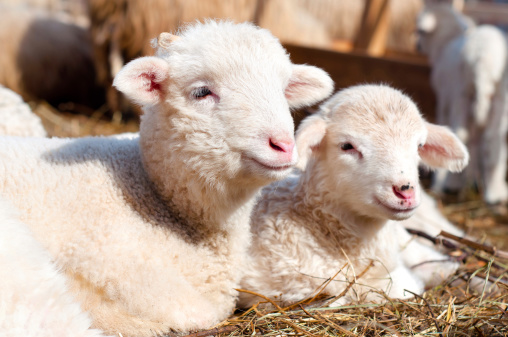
x,y
405,192
282,145
275,146
397,193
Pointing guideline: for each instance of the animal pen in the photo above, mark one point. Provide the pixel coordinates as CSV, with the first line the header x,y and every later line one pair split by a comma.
x,y
451,309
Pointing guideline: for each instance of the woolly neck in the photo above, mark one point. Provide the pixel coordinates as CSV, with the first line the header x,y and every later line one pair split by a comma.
x,y
330,215
194,186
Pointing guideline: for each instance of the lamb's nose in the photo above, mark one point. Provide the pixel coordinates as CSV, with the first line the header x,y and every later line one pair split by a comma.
x,y
404,192
285,145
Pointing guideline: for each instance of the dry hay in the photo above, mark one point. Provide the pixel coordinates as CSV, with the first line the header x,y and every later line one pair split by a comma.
x,y
451,309
72,120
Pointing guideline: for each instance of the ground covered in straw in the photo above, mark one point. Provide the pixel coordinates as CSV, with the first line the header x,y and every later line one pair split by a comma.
x,y
451,309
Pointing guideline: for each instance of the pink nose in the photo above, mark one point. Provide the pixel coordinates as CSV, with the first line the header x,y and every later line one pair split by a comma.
x,y
283,145
404,192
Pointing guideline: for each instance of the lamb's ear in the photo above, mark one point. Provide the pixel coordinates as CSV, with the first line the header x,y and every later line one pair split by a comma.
x,y
307,85
443,149
142,80
309,136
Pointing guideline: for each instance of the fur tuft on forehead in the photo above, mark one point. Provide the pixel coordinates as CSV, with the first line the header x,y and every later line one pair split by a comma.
x,y
210,40
373,105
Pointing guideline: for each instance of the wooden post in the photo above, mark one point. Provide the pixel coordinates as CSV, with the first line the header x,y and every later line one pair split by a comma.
x,y
373,32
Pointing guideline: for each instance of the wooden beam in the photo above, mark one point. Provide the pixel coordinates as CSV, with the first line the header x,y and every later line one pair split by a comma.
x,y
347,69
374,27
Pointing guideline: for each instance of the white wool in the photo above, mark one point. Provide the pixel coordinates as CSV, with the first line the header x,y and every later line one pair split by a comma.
x,y
357,151
151,231
34,296
16,117
470,78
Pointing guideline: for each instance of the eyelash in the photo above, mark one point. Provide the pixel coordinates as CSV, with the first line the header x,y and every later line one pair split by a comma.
x,y
347,147
201,92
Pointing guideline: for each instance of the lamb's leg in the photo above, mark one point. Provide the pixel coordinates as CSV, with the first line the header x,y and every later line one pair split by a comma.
x,y
403,279
458,122
429,265
112,315
494,153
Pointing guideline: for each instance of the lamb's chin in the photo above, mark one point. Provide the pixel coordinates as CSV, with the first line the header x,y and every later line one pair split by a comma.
x,y
395,212
268,171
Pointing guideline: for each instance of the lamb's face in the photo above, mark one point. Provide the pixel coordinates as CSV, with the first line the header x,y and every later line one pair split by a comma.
x,y
372,148
230,88
372,140
437,24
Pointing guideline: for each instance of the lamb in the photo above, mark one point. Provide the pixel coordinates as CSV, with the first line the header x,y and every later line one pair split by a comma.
x,y
34,299
470,78
151,231
16,117
360,155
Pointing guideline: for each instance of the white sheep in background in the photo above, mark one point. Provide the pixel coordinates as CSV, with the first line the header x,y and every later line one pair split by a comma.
x,y
34,297
151,232
470,78
16,117
360,153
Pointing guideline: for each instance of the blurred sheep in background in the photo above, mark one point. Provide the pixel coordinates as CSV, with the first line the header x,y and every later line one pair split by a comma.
x,y
46,58
470,78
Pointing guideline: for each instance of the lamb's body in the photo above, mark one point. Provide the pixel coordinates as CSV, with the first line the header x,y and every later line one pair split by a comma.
x,y
34,296
95,209
151,231
337,214
470,78
298,245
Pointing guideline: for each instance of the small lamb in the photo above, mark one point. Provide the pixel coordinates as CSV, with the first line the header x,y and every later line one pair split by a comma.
x,y
360,155
151,232
470,78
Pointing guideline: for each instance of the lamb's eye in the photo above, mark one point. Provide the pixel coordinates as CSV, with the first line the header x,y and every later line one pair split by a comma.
x,y
347,147
201,92
420,146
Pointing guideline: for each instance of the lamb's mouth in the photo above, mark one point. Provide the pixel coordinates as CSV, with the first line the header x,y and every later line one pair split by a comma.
x,y
269,167
404,210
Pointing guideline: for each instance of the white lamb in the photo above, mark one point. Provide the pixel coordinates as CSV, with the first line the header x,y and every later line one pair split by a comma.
x,y
470,78
16,117
360,153
152,231
34,297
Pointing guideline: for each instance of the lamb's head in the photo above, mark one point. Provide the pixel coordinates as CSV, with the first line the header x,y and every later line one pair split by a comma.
x,y
365,145
438,24
220,95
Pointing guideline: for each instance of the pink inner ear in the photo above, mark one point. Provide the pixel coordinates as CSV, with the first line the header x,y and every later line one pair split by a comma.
x,y
290,90
151,77
438,150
